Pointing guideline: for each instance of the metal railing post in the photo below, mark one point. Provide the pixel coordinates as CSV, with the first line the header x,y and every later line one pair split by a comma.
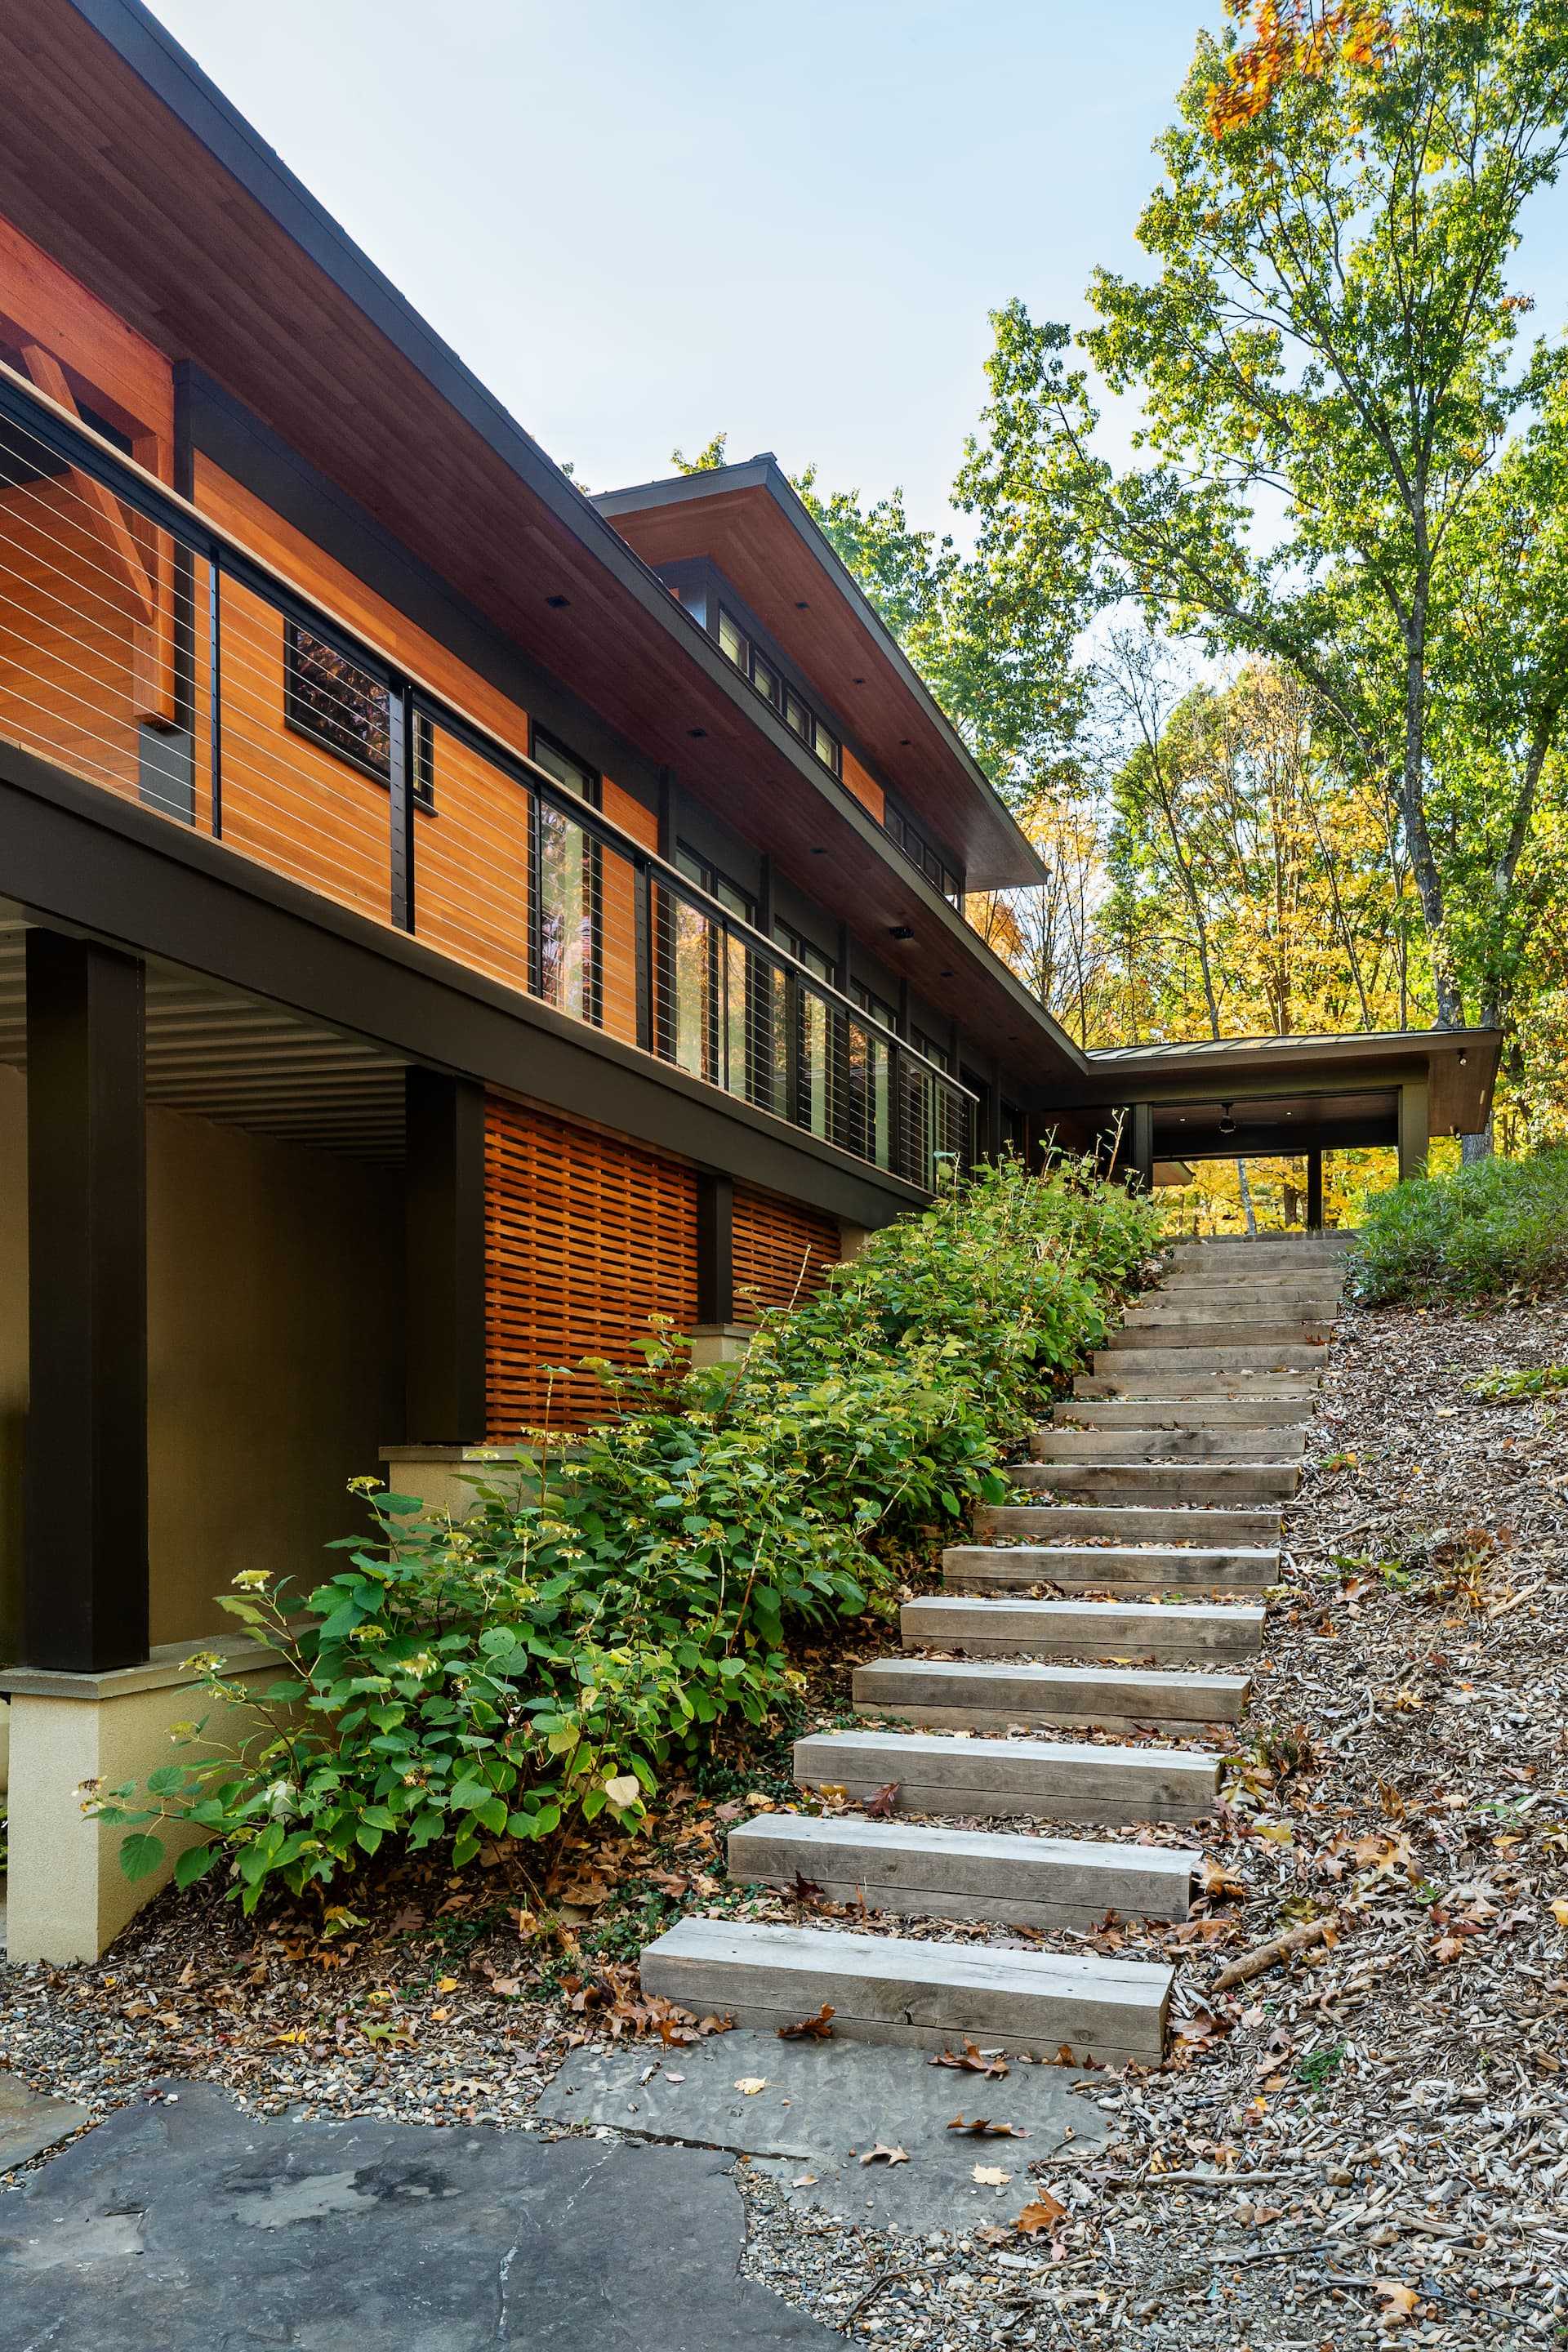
x,y
400,779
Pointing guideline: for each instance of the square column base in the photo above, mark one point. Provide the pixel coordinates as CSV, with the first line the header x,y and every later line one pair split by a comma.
x,y
66,1896
446,1477
719,1343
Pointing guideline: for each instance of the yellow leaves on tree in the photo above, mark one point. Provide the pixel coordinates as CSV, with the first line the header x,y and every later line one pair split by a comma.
x,y
1291,40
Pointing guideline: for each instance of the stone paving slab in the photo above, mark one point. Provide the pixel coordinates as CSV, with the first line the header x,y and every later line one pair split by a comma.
x,y
30,2121
187,2226
826,2104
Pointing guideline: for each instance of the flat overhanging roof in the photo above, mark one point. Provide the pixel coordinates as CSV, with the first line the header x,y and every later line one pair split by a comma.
x,y
749,520
1290,1094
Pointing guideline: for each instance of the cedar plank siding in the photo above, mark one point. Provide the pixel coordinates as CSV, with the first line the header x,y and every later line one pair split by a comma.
x,y
866,788
587,1236
783,1251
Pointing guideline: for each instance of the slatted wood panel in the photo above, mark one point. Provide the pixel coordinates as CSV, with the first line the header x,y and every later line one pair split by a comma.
x,y
782,1251
587,1235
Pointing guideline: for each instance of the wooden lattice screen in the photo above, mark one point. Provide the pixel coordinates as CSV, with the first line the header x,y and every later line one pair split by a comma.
x,y
586,1237
782,1251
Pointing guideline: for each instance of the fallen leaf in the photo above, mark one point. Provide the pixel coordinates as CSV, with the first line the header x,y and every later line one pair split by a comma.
x,y
1398,2301
889,2155
811,2029
1043,2213
990,2175
806,1890
971,2061
987,2130
804,2180
750,2085
881,1806
1560,1910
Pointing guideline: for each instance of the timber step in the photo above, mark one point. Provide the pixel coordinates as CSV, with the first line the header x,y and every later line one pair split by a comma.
x,y
1177,1362
1102,1568
993,1695
1138,1333
1284,1249
923,1996
1185,1412
923,1870
1063,1781
1128,1523
1149,1635
1172,1482
1147,1442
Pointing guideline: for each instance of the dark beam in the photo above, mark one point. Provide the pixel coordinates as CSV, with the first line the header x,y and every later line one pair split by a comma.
x,y
1314,1192
85,1600
445,1298
715,1248
1287,1139
1140,1154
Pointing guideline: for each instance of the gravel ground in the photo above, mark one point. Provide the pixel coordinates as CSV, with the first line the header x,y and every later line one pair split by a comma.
x,y
1368,2143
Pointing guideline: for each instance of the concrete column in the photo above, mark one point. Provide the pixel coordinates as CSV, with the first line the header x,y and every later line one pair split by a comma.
x,y
1415,1133
85,1584
66,1896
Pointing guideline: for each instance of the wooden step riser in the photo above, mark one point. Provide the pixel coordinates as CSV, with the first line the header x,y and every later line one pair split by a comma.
x,y
1196,1412
1168,1384
1042,1780
1155,1482
914,1995
1047,1629
1141,1332
1152,1444
939,1873
1130,1524
1176,1363
958,1695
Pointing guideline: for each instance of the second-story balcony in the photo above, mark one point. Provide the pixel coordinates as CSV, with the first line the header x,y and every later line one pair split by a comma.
x,y
149,652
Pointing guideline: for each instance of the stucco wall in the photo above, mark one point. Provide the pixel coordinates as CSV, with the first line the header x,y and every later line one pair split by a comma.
x,y
275,1366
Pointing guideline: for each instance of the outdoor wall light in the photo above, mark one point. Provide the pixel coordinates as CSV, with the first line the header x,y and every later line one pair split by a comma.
x,y
1226,1119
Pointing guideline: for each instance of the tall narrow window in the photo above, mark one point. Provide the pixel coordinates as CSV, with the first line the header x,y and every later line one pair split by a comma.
x,y
565,906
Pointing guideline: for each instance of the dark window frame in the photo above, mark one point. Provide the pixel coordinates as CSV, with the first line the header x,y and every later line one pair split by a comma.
x,y
787,689
593,875
301,717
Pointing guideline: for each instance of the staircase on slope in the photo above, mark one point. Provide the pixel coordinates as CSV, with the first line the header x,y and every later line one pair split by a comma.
x,y
1160,1483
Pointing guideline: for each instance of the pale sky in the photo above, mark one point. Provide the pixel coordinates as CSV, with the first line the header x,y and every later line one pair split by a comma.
x,y
641,222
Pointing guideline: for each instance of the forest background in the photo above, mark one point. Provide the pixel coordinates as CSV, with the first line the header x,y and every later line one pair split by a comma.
x,y
1280,699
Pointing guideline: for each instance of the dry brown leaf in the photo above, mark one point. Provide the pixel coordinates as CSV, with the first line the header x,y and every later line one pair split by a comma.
x,y
750,2085
1043,2213
990,2175
889,2155
811,2029
1399,2301
883,1805
987,2130
971,2061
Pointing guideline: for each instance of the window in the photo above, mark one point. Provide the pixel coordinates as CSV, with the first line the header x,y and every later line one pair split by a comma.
x,y
919,852
715,993
876,1006
798,713
566,911
347,711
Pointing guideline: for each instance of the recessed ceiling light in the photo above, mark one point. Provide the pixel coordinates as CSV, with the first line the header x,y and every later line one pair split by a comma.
x,y
558,604
801,606
818,850
699,732
859,681
900,931
947,974
904,742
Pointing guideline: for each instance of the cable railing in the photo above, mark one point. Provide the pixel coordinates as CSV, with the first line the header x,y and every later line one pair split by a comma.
x,y
145,650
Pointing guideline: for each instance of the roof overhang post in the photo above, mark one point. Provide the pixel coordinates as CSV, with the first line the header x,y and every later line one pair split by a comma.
x,y
1315,1191
1414,1129
86,1599
1141,1147
444,1200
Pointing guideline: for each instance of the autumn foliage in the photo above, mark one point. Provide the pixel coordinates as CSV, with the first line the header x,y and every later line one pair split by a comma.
x,y
1291,40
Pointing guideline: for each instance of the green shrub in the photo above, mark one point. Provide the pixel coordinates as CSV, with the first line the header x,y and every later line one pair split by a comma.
x,y
539,1662
1498,1225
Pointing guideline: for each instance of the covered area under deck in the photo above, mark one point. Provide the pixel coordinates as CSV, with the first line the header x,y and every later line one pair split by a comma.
x,y
1295,1097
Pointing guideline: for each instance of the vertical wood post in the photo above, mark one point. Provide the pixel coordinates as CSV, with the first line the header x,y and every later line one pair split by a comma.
x,y
86,1599
445,1310
1140,1150
1314,1192
715,1247
1414,1135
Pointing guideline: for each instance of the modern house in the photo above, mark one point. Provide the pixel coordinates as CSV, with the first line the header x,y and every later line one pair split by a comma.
x,y
445,920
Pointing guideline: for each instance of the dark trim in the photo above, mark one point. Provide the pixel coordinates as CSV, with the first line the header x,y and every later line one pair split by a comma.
x,y
1282,1141
78,855
1140,1155
85,1579
715,1247
444,1215
1315,1191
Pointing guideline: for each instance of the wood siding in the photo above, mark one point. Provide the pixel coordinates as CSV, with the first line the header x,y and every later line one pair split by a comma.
x,y
866,788
587,1236
782,1252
